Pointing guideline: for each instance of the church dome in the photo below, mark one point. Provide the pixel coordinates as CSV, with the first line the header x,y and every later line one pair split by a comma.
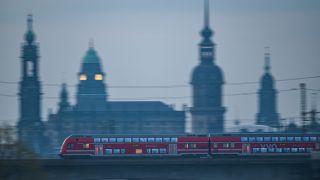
x,y
91,56
267,80
208,73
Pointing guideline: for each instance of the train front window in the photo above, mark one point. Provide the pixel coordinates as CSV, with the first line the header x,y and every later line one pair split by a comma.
x,y
70,146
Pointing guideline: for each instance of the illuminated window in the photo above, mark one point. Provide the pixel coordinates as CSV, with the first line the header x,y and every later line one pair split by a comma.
x,y
83,77
86,146
138,151
98,77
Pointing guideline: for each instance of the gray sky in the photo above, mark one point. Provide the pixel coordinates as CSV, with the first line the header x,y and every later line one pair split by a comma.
x,y
155,42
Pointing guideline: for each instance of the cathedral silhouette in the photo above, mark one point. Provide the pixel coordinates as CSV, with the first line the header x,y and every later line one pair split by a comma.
x,y
94,113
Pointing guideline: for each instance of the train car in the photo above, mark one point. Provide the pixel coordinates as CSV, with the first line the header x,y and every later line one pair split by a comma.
x,y
190,145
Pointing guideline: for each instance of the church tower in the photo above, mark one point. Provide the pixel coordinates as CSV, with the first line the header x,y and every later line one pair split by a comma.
x,y
267,114
30,126
64,104
91,95
207,80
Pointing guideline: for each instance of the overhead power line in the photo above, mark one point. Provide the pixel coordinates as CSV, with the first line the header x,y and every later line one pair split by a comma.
x,y
171,86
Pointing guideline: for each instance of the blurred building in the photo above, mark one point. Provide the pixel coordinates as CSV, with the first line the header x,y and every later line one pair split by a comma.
x,y
93,113
207,86
30,126
267,97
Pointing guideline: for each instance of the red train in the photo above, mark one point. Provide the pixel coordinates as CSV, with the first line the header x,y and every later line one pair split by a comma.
x,y
148,145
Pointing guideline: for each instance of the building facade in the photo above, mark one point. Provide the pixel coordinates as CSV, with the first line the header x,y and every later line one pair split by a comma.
x,y
207,86
267,97
93,113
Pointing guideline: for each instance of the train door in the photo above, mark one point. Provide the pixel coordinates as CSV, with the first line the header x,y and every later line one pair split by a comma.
x,y
245,148
172,148
99,149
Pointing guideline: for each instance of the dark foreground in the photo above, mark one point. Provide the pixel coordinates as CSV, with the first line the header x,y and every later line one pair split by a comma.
x,y
244,168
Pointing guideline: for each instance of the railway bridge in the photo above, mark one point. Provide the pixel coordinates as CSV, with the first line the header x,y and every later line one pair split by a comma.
x,y
226,168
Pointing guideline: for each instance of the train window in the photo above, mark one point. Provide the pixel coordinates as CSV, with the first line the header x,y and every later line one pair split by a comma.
x,y
275,139
308,149
244,139
215,145
272,150
306,139
294,150
252,139
119,139
155,151
279,150
282,139
186,146
290,139
192,146
259,139
232,145
138,151
116,151
286,150
225,145
143,139
112,140
96,140
86,146
149,151
267,139
70,146
297,138
135,139
123,151
174,139
166,139
150,139
163,150
158,139
263,150
255,150
313,138
108,151
127,139
104,139
301,149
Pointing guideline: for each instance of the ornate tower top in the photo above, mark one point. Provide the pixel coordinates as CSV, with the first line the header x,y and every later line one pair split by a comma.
x,y
206,32
267,59
29,36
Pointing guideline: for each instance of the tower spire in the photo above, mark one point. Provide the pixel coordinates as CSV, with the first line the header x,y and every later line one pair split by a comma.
x,y
206,13
267,59
30,21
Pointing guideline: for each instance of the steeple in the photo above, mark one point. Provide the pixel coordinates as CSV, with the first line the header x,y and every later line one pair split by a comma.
x,y
64,103
267,96
207,85
206,45
267,59
29,36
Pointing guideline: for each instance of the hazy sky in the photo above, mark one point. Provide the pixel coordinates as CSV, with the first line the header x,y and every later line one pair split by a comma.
x,y
155,42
